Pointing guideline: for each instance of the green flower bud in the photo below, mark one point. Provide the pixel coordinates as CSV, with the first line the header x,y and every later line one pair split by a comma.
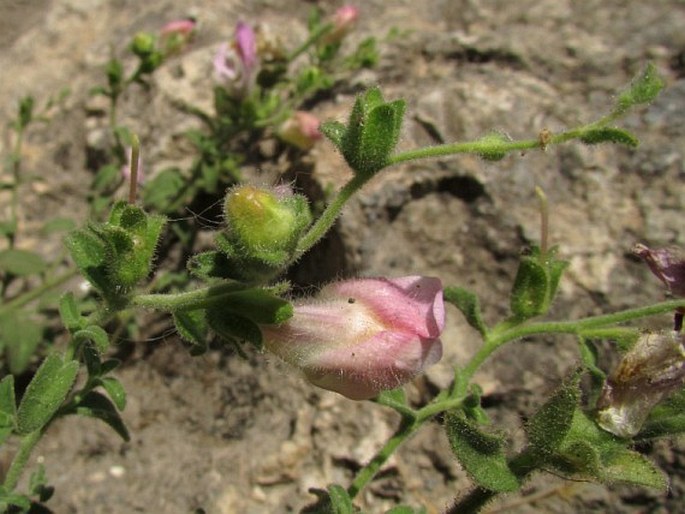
x,y
143,44
264,227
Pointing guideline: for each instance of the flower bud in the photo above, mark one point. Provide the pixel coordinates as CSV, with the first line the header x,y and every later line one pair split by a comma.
x,y
344,20
652,370
360,337
176,34
263,228
300,130
143,44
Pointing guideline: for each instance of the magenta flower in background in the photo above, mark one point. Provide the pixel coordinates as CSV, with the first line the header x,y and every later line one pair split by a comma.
x,y
360,337
300,130
238,61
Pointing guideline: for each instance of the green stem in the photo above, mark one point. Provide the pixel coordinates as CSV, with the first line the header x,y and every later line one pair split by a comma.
x,y
496,147
28,442
407,427
188,301
31,295
328,217
507,332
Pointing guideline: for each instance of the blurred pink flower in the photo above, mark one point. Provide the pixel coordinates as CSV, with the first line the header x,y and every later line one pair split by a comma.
x,y
238,61
300,130
183,26
360,337
344,20
176,35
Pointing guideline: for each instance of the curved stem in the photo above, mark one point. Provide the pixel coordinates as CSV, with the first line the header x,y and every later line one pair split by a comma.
x,y
407,427
328,217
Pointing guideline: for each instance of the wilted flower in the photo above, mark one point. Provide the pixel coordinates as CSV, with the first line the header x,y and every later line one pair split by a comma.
x,y
668,264
344,20
652,370
237,62
360,337
300,130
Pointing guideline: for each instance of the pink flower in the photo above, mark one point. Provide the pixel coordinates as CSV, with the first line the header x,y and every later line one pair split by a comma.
x,y
360,337
183,27
175,35
239,60
344,20
301,130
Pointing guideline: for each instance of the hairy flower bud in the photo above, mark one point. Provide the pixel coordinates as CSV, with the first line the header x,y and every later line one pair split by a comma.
x,y
652,370
360,337
264,226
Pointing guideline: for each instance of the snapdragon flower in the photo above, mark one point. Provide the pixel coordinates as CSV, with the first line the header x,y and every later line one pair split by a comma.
x,y
236,63
360,337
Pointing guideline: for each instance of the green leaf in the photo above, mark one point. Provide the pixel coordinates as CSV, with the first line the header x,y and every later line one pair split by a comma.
x,y
609,135
547,429
8,407
21,262
192,327
258,305
645,87
666,419
70,313
481,454
628,466
115,391
341,503
57,225
469,305
21,336
96,405
45,393
106,178
334,131
88,252
96,334
230,326
159,192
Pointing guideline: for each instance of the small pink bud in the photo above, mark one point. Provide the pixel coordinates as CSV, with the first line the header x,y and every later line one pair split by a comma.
x,y
183,27
652,370
668,264
360,337
344,20
301,130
